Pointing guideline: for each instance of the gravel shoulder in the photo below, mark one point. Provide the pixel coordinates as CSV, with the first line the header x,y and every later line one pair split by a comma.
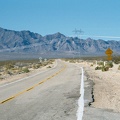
x,y
104,88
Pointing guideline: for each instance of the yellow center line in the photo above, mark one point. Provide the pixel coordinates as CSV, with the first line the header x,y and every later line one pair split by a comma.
x,y
32,87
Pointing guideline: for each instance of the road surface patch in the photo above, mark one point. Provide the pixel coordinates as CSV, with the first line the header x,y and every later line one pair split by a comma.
x,y
7,100
32,87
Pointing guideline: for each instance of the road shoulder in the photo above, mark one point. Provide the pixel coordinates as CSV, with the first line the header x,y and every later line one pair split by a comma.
x,y
91,110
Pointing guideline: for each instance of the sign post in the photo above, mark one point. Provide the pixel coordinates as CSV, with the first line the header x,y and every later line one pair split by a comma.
x,y
40,59
109,52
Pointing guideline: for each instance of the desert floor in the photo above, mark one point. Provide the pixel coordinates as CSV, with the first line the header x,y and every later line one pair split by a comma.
x,y
106,87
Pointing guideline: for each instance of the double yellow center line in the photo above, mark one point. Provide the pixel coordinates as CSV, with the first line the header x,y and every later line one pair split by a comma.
x,y
32,87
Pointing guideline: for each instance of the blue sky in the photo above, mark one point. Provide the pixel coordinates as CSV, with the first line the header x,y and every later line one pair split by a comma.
x,y
99,19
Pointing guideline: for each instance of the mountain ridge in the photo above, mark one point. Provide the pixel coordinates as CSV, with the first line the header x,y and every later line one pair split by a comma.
x,y
26,41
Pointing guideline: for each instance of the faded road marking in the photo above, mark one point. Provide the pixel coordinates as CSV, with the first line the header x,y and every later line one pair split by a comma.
x,y
32,87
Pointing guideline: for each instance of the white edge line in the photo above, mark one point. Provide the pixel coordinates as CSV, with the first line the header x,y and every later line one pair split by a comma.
x,y
27,77
81,99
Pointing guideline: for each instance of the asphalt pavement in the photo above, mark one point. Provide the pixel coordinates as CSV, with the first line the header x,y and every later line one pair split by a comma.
x,y
51,95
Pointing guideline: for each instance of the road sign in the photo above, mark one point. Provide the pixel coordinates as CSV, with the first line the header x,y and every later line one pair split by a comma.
x,y
109,52
109,58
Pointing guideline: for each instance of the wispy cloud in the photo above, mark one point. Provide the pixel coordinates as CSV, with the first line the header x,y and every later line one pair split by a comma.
x,y
101,36
97,36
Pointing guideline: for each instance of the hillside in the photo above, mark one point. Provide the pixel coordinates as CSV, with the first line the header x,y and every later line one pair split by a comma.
x,y
29,42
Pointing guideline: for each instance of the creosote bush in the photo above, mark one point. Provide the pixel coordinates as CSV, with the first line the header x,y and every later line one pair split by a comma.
x,y
116,59
49,67
9,66
98,68
91,65
109,64
36,66
25,70
105,68
101,63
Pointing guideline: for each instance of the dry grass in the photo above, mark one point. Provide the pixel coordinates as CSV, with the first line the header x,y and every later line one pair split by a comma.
x,y
9,68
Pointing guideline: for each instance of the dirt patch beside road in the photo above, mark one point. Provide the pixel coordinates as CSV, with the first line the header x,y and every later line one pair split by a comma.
x,y
107,87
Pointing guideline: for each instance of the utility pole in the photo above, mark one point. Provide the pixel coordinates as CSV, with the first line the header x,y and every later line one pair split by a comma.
x,y
78,32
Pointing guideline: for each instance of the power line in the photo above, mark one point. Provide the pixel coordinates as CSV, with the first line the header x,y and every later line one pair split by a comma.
x,y
78,32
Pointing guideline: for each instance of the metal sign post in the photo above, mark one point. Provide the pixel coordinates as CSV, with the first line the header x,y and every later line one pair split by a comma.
x,y
109,52
40,59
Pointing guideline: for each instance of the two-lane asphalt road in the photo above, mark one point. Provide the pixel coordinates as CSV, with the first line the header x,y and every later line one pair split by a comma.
x,y
50,95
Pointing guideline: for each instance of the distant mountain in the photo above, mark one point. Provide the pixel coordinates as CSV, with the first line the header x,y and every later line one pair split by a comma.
x,y
29,42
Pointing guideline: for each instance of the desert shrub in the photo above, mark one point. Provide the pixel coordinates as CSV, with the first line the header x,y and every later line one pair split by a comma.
x,y
36,66
25,70
8,72
91,65
98,68
100,63
44,64
33,66
52,60
49,67
30,66
105,68
9,66
109,64
116,59
20,70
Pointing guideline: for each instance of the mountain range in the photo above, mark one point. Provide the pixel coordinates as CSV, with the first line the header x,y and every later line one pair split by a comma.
x,y
28,42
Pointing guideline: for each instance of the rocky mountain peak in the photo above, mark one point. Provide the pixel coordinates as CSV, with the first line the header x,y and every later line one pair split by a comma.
x,y
27,41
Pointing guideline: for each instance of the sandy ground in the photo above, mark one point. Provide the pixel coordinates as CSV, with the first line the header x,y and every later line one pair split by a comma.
x,y
23,75
106,88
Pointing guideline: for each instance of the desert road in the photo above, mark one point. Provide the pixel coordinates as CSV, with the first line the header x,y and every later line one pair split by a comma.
x,y
50,95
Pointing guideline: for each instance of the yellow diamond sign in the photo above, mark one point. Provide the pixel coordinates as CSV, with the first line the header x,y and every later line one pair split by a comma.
x,y
109,52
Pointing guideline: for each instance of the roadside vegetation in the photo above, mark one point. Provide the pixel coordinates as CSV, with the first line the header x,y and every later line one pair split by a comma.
x,y
103,67
108,64
100,62
9,68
